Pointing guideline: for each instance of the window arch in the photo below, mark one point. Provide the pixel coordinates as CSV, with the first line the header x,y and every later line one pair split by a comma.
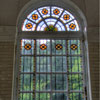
x,y
50,18
50,61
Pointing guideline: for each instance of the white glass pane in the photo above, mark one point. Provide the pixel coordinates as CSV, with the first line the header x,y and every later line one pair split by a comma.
x,y
66,17
41,26
72,26
60,26
34,16
44,11
56,11
28,26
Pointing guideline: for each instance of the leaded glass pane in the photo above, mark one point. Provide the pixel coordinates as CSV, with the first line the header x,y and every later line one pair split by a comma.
x,y
34,16
27,47
27,64
75,82
59,96
28,26
59,64
43,47
43,82
44,11
43,64
59,82
26,82
26,96
43,96
66,17
74,47
58,47
76,96
56,11
75,64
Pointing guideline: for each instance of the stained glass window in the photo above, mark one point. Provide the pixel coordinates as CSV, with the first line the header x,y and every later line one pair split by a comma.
x,y
51,69
50,19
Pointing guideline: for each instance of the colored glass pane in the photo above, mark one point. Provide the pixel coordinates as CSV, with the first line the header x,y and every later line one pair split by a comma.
x,y
27,46
34,16
45,11
56,11
66,17
59,47
43,47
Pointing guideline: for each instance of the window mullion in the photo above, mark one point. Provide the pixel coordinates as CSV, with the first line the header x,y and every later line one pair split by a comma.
x,y
34,70
67,70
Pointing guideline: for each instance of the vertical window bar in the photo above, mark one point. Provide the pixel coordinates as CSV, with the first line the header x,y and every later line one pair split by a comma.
x,y
46,71
62,69
83,69
55,69
67,68
51,68
39,68
34,70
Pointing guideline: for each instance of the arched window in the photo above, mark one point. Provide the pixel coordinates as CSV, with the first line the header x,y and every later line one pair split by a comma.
x,y
50,61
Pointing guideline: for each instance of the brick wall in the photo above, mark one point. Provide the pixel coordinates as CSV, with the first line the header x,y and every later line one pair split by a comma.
x,y
6,69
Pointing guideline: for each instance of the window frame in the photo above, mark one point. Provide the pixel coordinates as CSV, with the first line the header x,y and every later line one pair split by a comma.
x,y
82,35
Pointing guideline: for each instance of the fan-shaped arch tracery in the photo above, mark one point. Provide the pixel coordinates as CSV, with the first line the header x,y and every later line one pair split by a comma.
x,y
50,19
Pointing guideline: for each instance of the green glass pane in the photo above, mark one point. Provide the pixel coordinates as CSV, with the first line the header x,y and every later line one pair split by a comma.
x,y
74,47
26,82
27,47
76,96
59,64
43,82
42,96
26,96
59,82
75,64
43,64
58,47
75,82
59,96
27,64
